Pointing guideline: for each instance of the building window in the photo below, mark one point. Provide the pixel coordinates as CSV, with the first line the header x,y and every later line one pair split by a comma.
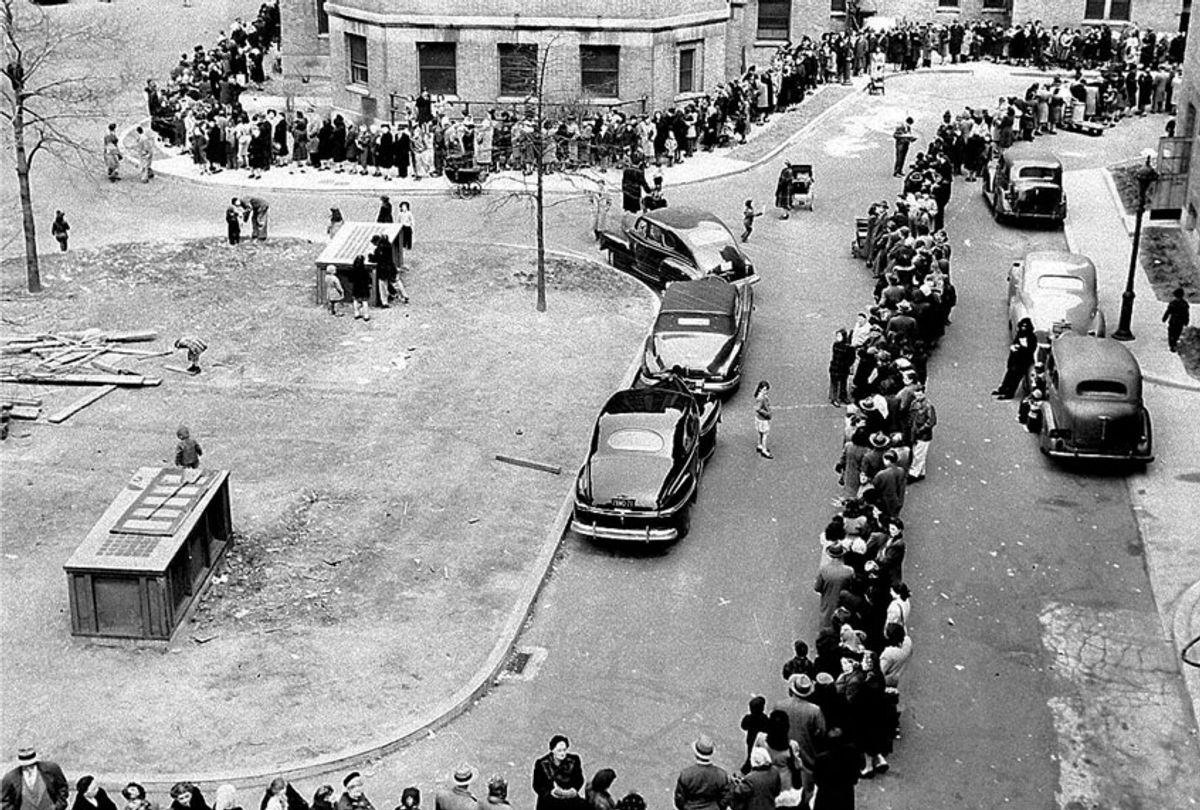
x,y
947,3
356,51
518,69
600,70
690,68
322,18
437,64
995,5
774,19
837,6
1118,10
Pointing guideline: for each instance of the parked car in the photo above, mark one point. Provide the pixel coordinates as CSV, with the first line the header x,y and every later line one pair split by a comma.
x,y
1025,183
700,334
676,244
1093,405
1057,291
643,469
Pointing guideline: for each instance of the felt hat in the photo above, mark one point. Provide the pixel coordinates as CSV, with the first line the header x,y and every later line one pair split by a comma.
x,y
702,749
824,679
880,440
800,685
867,404
463,775
835,550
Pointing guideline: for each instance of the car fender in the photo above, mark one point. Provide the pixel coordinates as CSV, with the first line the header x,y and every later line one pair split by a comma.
x,y
1047,424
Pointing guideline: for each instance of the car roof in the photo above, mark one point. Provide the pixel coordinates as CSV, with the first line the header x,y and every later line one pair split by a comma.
x,y
681,217
1023,154
713,296
1060,263
1082,357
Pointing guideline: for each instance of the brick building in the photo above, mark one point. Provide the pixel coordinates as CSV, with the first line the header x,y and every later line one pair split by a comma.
x,y
1188,109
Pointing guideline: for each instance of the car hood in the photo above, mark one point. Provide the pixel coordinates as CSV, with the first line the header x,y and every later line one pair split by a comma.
x,y
1072,310
629,475
692,351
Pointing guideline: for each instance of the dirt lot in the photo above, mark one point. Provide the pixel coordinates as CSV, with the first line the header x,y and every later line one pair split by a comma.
x,y
380,545
1169,263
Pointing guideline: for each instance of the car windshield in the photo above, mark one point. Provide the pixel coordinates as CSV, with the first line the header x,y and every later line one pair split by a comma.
x,y
636,440
672,322
1038,173
1102,388
1069,284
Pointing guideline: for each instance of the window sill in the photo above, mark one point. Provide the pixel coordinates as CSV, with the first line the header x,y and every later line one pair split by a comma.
x,y
358,89
993,10
529,99
601,99
770,43
322,36
839,14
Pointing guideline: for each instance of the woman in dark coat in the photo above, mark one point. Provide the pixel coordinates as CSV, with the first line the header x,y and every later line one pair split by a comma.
x,y
402,151
284,795
325,143
90,796
360,287
1020,357
597,795
186,796
337,145
783,190
835,773
383,152
558,777
762,782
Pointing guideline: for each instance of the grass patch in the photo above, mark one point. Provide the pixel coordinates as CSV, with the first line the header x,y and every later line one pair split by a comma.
x,y
1170,262
1125,179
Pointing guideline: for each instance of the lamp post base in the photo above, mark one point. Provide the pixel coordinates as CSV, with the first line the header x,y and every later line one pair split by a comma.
x,y
1123,328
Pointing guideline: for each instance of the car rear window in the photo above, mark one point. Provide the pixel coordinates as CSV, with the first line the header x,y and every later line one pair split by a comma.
x,y
637,441
1060,283
671,322
1038,172
1101,388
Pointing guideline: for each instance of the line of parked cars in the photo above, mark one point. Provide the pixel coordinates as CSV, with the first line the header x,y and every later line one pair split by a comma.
x,y
650,442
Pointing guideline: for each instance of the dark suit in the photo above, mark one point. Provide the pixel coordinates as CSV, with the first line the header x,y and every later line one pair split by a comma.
x,y
12,786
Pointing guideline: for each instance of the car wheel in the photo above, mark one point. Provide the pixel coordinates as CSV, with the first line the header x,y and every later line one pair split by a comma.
x,y
683,523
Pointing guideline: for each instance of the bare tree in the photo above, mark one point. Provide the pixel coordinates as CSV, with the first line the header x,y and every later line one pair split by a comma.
x,y
50,85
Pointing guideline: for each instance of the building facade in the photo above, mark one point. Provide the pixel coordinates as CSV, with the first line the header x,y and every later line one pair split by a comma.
x,y
1187,111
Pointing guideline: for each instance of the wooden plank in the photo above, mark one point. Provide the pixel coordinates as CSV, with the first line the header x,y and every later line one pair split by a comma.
x,y
107,368
79,404
35,402
138,352
553,469
79,361
130,380
140,336
25,412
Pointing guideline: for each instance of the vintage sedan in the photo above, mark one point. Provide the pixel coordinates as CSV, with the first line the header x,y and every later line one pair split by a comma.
x,y
1093,406
700,335
1057,291
1025,183
643,469
676,244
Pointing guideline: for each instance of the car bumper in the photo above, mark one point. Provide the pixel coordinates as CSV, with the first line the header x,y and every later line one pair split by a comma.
x,y
627,525
646,534
1099,455
705,386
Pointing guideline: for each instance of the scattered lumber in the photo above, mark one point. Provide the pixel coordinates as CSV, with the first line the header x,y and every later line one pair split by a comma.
x,y
100,365
96,336
79,404
35,402
553,469
122,380
28,412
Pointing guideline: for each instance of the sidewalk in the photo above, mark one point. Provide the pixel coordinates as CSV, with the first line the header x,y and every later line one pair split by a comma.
x,y
764,142
1164,495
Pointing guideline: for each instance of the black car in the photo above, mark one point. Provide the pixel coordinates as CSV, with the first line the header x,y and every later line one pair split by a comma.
x,y
677,244
1025,183
643,468
700,334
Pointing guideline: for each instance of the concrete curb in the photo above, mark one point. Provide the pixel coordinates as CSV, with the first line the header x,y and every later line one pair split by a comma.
x,y
462,699
1185,627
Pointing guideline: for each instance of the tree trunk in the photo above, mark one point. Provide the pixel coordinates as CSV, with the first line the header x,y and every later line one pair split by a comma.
x,y
541,213
33,276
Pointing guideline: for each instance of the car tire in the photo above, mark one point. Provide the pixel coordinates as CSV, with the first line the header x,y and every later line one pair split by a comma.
x,y
683,523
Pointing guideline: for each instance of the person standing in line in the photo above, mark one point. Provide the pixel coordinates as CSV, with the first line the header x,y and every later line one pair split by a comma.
x,y
558,777
833,578
233,221
748,217
59,230
754,722
112,154
922,419
841,359
1176,316
145,152
836,772
385,210
353,797
460,797
404,218
703,785
762,417
34,784
903,136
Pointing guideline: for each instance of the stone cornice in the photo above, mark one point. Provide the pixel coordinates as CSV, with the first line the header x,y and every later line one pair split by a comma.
x,y
517,22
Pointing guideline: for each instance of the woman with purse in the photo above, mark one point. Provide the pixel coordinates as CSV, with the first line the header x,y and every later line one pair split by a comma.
x,y
558,777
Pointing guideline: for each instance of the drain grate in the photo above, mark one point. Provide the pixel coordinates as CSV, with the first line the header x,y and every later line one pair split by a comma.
x,y
523,663
517,663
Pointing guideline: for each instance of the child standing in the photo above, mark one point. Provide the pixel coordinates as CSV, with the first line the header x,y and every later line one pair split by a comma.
x,y
334,293
762,416
187,451
59,229
748,217
1175,317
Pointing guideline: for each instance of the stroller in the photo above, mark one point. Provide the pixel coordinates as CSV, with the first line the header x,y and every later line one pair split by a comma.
x,y
875,80
467,178
802,186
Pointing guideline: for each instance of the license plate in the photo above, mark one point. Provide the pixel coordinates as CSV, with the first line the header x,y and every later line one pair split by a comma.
x,y
623,503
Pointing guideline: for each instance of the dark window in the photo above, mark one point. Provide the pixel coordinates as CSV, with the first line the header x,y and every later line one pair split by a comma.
x,y
774,19
837,6
1094,10
947,3
438,67
1119,10
518,69
356,51
996,5
1103,388
689,69
322,18
600,70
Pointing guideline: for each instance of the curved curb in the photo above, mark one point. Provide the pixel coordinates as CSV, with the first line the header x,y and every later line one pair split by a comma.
x,y
1185,627
462,699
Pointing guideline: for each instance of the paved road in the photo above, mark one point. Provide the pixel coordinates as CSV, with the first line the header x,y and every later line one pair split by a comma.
x,y
1036,635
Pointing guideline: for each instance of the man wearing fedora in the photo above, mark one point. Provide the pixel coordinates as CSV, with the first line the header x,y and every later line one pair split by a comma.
x,y
460,796
806,725
703,785
33,785
833,578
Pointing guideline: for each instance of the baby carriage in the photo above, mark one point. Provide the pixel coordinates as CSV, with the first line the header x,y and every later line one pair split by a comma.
x,y
875,80
802,186
467,178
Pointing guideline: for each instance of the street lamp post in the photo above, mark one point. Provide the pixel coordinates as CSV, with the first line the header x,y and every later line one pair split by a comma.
x,y
1146,177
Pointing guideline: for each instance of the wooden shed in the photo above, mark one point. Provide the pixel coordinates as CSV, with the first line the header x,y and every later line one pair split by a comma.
x,y
354,239
145,562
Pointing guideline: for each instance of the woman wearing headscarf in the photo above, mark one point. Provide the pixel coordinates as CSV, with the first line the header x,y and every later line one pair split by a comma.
x,y
226,798
558,777
763,782
597,794
777,742
90,796
280,795
186,796
353,797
